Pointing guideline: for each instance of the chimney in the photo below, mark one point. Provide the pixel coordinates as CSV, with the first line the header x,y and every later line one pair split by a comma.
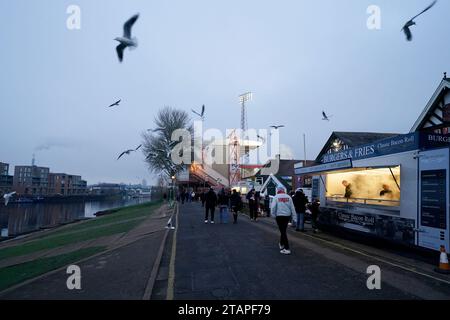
x,y
33,161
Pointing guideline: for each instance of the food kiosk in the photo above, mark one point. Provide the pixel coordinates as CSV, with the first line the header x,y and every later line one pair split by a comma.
x,y
396,188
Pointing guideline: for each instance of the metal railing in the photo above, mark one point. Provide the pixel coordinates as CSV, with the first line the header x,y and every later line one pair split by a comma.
x,y
365,201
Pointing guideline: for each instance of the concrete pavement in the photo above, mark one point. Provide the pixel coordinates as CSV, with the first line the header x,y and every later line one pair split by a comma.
x,y
242,261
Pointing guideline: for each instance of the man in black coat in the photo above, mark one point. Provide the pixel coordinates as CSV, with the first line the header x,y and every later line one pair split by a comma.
x,y
300,202
210,204
236,204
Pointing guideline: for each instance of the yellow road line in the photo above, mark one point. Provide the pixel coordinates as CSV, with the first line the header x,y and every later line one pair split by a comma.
x,y
171,278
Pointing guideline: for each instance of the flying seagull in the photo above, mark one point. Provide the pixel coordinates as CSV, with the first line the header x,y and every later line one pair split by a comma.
x,y
325,116
201,114
7,196
411,22
128,151
115,104
277,127
126,40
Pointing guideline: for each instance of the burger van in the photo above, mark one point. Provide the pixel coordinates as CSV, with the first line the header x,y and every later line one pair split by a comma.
x,y
395,188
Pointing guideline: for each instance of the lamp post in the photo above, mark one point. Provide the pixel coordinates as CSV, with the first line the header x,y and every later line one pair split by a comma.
x,y
173,187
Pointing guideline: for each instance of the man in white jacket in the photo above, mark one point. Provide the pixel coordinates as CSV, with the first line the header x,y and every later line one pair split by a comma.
x,y
282,208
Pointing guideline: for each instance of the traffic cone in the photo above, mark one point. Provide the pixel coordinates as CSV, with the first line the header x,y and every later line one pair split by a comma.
x,y
444,266
169,225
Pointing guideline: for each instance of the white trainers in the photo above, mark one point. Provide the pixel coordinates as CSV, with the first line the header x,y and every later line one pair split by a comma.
x,y
285,251
206,221
281,247
212,222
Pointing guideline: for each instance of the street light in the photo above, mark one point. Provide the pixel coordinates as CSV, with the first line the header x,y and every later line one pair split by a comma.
x,y
173,187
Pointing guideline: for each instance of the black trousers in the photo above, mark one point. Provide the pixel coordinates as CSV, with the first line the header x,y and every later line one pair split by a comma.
x,y
207,210
235,214
282,225
314,220
253,211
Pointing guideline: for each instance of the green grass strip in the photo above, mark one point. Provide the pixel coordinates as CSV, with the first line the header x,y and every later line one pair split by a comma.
x,y
126,213
62,240
13,275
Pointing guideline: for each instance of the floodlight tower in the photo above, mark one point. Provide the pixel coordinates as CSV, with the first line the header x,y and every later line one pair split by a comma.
x,y
243,98
234,167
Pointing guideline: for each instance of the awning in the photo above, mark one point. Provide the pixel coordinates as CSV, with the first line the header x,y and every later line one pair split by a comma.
x,y
326,167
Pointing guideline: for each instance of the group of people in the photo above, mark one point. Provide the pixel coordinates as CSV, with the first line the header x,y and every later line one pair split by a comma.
x,y
284,208
187,196
225,200
256,206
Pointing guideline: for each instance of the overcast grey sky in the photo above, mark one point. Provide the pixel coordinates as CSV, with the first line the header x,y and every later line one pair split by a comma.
x,y
297,57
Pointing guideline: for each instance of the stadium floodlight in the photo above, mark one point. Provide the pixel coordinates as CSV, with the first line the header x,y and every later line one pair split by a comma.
x,y
245,97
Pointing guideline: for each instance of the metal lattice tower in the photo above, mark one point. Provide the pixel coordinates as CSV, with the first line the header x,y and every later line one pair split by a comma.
x,y
234,167
243,98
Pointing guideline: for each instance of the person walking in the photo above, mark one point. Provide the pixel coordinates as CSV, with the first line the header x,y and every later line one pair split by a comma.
x,y
282,209
183,196
251,198
300,202
236,204
267,205
314,208
258,203
224,205
210,204
203,198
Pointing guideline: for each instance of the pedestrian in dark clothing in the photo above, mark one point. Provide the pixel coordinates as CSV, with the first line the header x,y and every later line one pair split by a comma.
x,y
203,198
300,202
183,196
236,204
210,204
314,208
258,202
251,198
267,205
224,205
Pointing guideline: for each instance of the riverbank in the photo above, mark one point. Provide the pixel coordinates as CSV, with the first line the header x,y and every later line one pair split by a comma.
x,y
26,258
22,219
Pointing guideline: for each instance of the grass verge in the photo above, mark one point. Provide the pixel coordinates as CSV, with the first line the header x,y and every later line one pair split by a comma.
x,y
13,275
118,222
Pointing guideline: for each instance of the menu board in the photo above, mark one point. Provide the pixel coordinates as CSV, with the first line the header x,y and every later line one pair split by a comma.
x,y
434,199
315,189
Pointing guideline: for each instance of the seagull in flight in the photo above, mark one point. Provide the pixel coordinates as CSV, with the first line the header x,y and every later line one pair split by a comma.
x,y
277,127
115,104
126,40
200,114
129,151
7,196
411,22
325,116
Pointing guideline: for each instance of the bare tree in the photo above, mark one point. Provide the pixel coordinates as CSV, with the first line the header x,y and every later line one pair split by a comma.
x,y
158,144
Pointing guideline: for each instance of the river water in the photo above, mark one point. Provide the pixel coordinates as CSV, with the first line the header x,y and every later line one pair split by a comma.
x,y
18,219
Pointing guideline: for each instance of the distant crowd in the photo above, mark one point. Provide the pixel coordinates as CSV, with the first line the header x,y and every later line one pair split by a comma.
x,y
288,209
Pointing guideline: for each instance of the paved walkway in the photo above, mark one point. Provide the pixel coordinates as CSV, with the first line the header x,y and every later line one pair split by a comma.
x,y
242,261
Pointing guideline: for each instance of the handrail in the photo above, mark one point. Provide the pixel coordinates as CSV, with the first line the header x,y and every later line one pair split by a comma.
x,y
349,200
